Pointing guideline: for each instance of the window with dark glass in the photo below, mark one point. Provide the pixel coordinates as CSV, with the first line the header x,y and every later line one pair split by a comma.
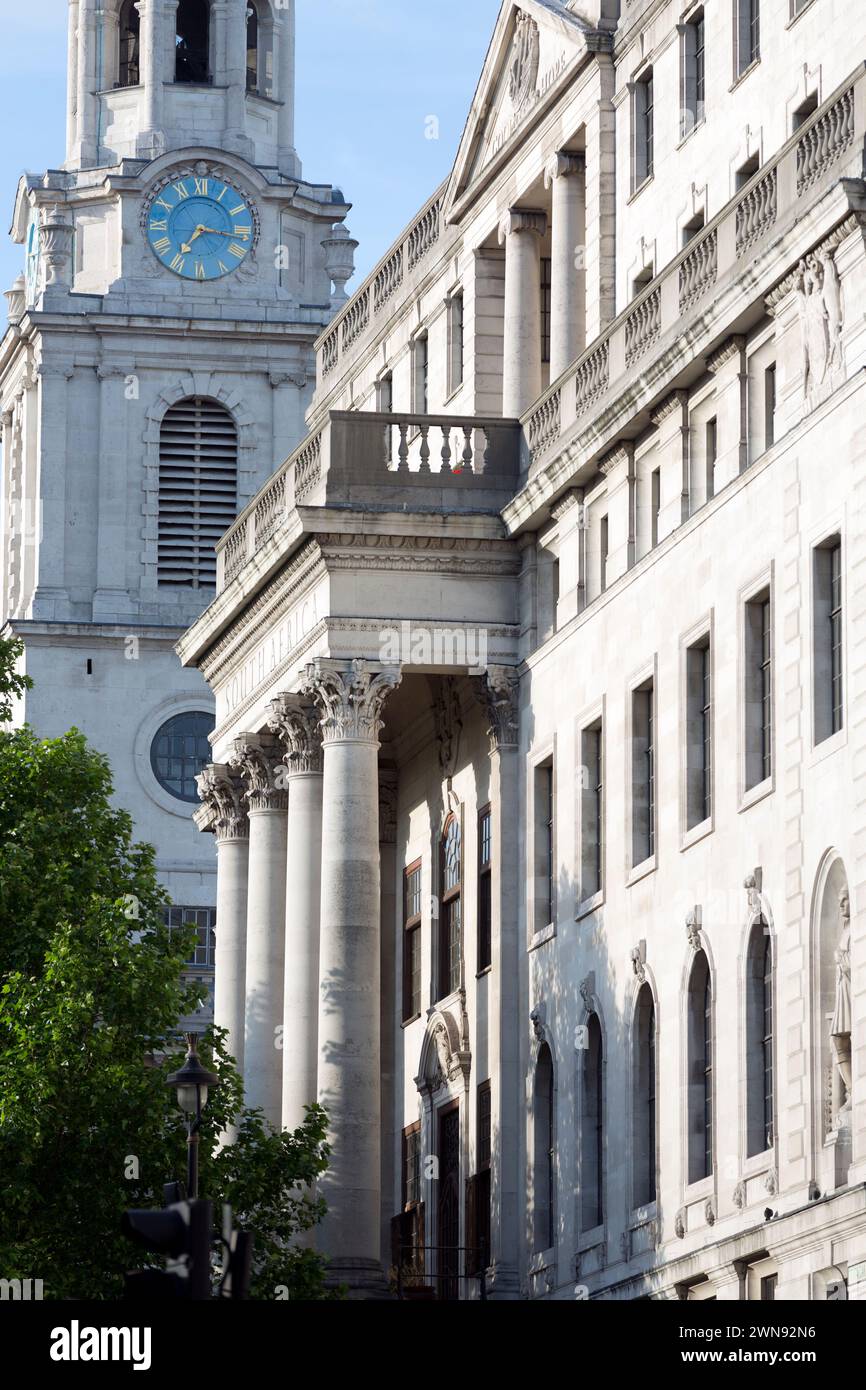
x,y
699,734
693,72
700,1075
644,1108
180,751
201,960
603,553
421,362
411,1166
192,42
592,1128
759,690
546,290
643,125
712,451
412,942
478,1193
747,34
643,774
829,652
252,46
485,889
129,71
456,342
655,504
760,1092
450,921
592,810
545,846
544,1150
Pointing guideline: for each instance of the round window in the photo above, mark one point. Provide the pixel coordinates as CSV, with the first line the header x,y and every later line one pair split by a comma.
x,y
179,751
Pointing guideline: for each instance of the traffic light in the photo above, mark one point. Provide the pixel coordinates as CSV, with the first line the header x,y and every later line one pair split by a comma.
x,y
181,1232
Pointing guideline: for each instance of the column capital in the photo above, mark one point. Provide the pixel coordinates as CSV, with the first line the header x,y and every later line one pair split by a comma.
x,y
221,792
351,698
522,220
563,165
258,760
497,692
296,724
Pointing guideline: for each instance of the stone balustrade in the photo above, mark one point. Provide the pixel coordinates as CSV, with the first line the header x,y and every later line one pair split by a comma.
x,y
452,462
385,288
825,148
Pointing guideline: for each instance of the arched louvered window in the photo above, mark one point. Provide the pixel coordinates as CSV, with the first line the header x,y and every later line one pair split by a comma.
x,y
198,481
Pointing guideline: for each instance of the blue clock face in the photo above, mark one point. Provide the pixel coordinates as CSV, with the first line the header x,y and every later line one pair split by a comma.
x,y
201,228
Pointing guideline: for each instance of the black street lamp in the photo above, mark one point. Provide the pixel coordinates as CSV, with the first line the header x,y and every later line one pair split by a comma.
x,y
191,1083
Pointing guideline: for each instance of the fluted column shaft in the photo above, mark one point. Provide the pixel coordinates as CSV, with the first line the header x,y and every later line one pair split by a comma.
x,y
296,726
257,759
349,1065
151,64
521,230
565,174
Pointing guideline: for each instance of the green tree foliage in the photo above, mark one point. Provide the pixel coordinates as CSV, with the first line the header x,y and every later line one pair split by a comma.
x,y
90,989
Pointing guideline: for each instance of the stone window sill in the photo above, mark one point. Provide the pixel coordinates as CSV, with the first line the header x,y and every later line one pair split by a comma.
x,y
641,1216
641,871
636,192
799,15
587,1240
485,970
684,139
542,936
701,1190
589,905
758,1164
757,793
747,72
828,746
697,833
407,1022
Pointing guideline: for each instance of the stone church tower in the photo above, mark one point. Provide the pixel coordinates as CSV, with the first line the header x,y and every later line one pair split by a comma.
x,y
156,368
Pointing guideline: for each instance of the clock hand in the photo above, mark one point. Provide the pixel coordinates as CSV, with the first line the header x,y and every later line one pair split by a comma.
x,y
187,246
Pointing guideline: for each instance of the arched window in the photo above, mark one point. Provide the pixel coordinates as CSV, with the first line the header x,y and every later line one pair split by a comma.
x,y
544,1143
450,923
252,46
592,1128
198,472
834,1011
128,74
700,1068
192,43
760,1098
644,1108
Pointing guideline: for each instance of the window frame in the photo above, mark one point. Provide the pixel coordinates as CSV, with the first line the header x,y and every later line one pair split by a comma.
x,y
693,72
593,809
698,733
747,36
450,971
456,341
484,957
829,648
643,129
643,773
412,941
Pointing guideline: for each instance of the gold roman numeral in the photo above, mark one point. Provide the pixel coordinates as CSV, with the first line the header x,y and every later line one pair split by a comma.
x,y
161,203
239,251
233,212
201,187
224,270
224,192
199,270
162,245
159,224
178,263
181,190
243,232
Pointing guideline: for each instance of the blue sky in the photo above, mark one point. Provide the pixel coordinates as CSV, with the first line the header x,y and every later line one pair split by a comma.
x,y
369,76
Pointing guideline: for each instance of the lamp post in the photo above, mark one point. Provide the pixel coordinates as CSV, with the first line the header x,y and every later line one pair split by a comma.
x,y
191,1083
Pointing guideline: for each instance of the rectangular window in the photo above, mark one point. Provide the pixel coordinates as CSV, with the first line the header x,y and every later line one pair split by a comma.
x,y
456,343
770,406
693,60
545,846
411,1186
768,1288
643,797
643,126
385,394
699,734
412,942
747,34
546,283
485,889
482,1195
655,504
759,690
420,351
592,817
603,552
828,640
711,455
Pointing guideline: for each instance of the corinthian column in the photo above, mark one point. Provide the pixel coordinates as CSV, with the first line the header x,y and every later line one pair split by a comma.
x,y
351,702
257,758
521,230
224,812
296,726
565,173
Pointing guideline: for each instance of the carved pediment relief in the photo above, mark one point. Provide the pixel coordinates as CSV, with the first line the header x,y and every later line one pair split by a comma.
x,y
535,42
445,1056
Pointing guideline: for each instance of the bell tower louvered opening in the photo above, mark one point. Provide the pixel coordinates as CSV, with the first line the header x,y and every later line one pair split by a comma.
x,y
198,482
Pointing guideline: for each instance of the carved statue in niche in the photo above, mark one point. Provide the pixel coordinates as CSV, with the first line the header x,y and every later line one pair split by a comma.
x,y
819,299
840,1028
523,71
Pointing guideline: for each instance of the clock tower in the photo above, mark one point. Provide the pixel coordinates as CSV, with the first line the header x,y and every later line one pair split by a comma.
x,y
157,366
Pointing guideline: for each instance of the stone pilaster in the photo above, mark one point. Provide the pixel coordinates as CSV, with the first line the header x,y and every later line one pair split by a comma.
x,y
671,419
285,68
351,701
728,366
257,758
498,694
565,173
521,230
151,139
619,469
72,80
296,727
50,599
111,600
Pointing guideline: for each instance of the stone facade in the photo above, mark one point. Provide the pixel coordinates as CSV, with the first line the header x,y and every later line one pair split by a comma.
x,y
553,627
108,344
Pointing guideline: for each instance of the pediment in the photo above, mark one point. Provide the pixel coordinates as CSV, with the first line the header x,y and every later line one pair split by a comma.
x,y
534,45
